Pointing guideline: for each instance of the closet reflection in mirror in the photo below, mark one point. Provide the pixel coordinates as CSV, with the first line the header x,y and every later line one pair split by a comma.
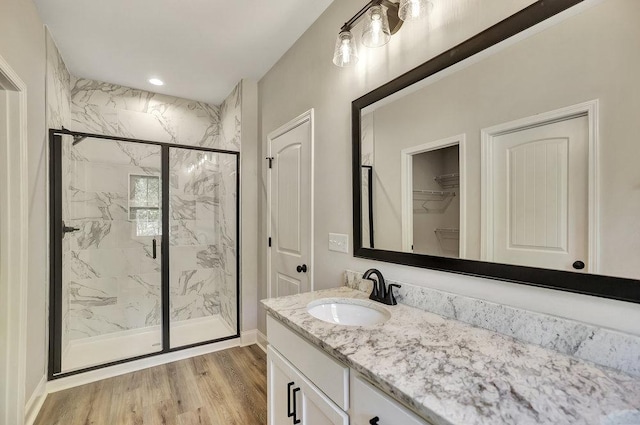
x,y
524,154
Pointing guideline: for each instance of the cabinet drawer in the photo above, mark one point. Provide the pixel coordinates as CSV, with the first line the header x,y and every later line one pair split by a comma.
x,y
368,402
330,376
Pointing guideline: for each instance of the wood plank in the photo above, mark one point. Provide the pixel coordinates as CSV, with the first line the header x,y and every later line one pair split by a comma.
x,y
227,387
161,413
183,391
198,417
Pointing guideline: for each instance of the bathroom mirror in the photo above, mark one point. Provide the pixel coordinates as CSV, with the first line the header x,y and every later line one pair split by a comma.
x,y
512,155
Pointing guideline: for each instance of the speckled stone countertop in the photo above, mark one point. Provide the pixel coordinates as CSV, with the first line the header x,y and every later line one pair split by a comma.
x,y
457,374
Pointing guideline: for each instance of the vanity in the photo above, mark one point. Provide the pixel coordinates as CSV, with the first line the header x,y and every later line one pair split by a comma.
x,y
309,386
416,367
507,157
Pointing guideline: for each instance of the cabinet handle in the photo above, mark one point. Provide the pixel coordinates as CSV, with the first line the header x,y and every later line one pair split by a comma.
x,y
374,421
290,412
295,408
154,248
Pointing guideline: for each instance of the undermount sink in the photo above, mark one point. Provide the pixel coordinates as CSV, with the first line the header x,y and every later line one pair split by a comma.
x,y
348,312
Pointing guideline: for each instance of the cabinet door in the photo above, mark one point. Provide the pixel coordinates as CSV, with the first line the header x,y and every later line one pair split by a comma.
x,y
278,390
317,409
294,400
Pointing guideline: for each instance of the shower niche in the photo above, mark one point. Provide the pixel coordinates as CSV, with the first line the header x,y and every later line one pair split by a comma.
x,y
144,249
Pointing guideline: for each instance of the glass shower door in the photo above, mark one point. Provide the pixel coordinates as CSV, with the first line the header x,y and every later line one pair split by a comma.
x,y
203,222
109,291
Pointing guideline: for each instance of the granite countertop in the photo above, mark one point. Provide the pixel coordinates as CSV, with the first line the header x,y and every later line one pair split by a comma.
x,y
457,374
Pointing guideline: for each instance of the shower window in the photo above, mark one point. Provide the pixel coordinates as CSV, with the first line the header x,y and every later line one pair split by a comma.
x,y
144,204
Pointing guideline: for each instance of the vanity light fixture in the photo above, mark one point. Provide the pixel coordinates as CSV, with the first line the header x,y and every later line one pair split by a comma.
x,y
414,9
346,51
383,18
375,32
156,81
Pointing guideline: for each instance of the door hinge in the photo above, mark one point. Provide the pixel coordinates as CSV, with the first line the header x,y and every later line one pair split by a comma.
x,y
269,240
270,159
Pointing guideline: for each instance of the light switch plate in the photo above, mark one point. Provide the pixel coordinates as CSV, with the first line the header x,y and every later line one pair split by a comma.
x,y
338,242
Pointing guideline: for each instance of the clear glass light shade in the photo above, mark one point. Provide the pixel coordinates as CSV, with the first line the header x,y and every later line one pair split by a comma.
x,y
414,9
375,32
346,52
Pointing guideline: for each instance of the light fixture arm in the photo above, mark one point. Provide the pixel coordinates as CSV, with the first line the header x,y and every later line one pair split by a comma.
x,y
392,15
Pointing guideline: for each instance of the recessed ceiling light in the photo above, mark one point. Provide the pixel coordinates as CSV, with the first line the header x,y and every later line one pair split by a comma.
x,y
156,81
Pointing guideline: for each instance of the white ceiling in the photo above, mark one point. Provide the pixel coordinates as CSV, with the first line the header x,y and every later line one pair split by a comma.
x,y
200,48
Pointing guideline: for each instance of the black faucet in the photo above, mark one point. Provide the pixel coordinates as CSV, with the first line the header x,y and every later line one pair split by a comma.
x,y
380,292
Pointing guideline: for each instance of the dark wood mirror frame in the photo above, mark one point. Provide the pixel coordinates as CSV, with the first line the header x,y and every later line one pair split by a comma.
x,y
588,284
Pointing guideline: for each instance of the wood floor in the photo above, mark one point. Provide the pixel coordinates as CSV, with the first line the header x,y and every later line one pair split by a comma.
x,y
227,387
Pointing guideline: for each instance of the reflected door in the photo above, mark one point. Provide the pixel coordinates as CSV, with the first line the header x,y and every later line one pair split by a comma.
x,y
540,186
108,219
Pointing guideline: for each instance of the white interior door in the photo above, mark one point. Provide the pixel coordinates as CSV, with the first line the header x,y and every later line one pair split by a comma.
x,y
290,207
540,181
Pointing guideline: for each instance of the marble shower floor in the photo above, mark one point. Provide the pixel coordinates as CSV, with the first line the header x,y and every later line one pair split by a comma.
x,y
94,351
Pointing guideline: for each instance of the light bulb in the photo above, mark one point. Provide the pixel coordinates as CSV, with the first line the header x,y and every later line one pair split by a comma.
x,y
346,52
375,32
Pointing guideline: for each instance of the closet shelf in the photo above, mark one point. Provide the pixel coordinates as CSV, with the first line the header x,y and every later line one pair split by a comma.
x,y
432,201
449,241
455,233
448,181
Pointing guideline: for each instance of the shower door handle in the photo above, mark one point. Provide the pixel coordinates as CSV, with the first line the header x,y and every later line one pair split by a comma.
x,y
67,229
154,248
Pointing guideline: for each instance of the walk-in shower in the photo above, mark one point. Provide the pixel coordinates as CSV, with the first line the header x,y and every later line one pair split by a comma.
x,y
144,249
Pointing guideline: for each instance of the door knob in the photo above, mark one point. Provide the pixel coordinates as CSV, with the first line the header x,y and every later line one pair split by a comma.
x,y
302,268
578,265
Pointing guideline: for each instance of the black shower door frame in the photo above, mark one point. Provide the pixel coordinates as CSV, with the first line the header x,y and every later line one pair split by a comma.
x,y
55,245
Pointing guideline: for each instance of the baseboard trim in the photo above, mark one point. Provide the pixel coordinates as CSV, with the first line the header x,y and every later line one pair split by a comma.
x,y
262,341
248,337
33,406
121,369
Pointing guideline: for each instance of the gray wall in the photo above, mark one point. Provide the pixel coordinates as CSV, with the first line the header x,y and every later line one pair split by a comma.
x,y
306,78
249,193
22,45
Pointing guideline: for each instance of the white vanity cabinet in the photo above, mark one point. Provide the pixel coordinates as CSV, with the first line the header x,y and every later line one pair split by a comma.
x,y
369,406
293,399
308,387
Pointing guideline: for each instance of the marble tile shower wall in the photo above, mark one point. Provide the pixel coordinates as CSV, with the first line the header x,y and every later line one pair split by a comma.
x,y
58,114
203,235
114,283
